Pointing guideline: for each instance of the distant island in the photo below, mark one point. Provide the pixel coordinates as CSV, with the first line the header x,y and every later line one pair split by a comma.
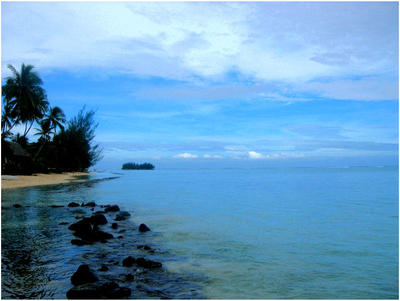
x,y
130,165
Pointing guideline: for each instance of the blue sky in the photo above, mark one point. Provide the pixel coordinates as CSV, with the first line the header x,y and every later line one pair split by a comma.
x,y
221,84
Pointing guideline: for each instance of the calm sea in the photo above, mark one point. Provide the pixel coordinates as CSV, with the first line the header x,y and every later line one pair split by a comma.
x,y
261,233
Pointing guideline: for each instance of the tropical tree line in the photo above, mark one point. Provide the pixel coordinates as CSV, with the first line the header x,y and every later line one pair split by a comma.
x,y
61,145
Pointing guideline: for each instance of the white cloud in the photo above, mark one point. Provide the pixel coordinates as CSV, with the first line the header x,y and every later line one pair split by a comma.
x,y
185,41
207,156
255,155
186,156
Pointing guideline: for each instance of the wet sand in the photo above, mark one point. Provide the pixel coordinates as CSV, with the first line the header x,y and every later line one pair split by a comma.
x,y
8,182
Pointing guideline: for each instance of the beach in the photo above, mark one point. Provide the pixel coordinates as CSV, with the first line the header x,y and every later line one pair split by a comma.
x,y
8,182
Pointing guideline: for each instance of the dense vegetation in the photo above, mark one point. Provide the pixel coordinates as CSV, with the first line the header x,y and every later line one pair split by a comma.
x,y
137,166
62,145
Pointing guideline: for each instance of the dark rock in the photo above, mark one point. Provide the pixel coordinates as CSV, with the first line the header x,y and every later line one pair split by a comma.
x,y
149,264
63,223
83,275
120,236
98,219
73,204
123,215
103,235
99,212
90,204
129,277
80,242
144,247
56,206
17,206
143,228
122,231
113,208
129,261
116,263
103,268
111,290
114,225
107,290
82,225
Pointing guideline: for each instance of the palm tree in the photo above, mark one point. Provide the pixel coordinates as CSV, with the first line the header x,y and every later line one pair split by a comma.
x,y
25,96
44,133
55,118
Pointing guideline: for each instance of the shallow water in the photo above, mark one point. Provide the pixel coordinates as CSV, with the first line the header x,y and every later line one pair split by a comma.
x,y
250,233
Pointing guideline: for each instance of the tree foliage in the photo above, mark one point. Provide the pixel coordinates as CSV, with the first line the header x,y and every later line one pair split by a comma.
x,y
59,147
131,165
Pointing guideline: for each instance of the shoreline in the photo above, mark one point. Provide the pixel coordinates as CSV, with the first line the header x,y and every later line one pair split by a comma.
x,y
10,182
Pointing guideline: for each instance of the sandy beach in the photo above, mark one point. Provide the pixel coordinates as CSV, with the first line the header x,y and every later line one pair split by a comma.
x,y
8,182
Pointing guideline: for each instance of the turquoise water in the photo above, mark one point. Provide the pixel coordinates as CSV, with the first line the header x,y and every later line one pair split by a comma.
x,y
269,233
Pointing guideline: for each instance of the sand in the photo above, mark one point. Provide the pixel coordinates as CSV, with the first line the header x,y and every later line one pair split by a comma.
x,y
8,182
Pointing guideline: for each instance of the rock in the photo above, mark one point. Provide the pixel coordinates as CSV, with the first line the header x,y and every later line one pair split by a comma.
x,y
123,215
129,261
99,212
144,247
113,208
129,277
143,228
149,264
79,242
63,223
122,231
103,235
83,225
56,206
106,290
111,290
73,204
114,225
17,206
103,268
98,219
83,275
90,204
120,236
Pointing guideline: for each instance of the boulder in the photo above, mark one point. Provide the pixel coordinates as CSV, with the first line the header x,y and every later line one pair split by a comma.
x,y
106,290
17,206
73,204
90,204
123,215
56,206
83,275
129,277
144,228
113,208
144,247
149,264
114,225
98,219
128,261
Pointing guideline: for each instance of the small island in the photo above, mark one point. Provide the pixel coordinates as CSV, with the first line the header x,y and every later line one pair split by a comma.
x,y
130,165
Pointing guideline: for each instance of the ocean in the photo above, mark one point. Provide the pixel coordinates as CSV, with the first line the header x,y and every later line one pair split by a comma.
x,y
270,233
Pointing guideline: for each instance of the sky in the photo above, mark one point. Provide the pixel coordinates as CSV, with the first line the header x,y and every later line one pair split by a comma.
x,y
219,83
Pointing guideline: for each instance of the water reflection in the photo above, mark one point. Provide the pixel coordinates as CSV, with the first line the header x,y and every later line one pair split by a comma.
x,y
38,258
